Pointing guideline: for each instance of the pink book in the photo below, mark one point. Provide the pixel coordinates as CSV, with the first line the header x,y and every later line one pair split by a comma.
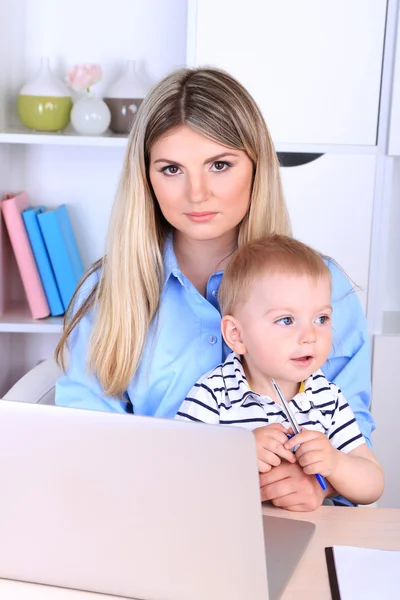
x,y
11,208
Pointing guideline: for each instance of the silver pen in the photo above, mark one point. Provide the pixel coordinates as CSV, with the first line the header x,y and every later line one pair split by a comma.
x,y
294,425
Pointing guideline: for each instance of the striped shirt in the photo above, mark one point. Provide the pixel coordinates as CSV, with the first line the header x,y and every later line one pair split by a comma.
x,y
223,396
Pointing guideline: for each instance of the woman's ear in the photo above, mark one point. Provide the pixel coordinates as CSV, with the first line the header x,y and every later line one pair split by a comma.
x,y
231,333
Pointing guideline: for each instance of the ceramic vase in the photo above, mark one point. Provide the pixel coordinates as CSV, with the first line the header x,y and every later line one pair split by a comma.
x,y
124,98
44,104
90,116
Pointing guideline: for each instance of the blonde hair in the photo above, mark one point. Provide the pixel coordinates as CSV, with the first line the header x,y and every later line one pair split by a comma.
x,y
127,295
268,255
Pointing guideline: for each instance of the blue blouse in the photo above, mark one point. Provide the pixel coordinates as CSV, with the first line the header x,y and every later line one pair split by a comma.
x,y
185,341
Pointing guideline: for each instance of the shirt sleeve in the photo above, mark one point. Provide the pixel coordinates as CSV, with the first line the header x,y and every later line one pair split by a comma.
x,y
78,388
201,404
344,432
349,364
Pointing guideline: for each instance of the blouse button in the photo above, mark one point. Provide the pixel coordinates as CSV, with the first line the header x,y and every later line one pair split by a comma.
x,y
214,293
213,339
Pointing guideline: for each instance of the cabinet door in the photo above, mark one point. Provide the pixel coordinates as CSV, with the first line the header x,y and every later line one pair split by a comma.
x,y
394,133
313,66
330,202
385,403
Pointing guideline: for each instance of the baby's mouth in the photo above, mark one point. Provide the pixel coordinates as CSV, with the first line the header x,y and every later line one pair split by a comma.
x,y
302,359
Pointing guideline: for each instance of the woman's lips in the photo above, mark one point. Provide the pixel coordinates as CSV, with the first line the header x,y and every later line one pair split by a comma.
x,y
200,216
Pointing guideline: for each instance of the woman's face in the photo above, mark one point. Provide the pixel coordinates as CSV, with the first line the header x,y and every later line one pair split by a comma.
x,y
203,188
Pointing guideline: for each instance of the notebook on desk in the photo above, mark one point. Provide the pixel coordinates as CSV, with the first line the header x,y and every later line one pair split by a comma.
x,y
362,572
138,507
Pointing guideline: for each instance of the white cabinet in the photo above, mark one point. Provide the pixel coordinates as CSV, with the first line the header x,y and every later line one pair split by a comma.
x,y
385,408
394,136
330,202
52,169
314,66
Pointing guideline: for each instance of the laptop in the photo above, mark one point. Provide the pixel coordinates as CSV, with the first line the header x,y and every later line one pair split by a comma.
x,y
138,507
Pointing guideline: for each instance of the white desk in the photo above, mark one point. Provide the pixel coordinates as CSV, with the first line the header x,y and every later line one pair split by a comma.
x,y
368,527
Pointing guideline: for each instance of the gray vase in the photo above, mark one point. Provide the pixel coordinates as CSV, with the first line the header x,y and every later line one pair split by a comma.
x,y
124,98
123,111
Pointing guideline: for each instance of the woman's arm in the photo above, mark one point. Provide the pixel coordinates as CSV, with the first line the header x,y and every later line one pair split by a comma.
x,y
77,388
349,364
288,487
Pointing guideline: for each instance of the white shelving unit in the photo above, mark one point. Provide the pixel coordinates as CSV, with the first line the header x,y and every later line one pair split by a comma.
x,y
54,168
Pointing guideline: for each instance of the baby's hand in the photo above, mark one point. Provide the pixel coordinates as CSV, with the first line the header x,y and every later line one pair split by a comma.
x,y
315,452
270,441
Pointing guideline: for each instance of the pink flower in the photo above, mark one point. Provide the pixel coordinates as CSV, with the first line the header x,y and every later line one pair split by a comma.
x,y
82,77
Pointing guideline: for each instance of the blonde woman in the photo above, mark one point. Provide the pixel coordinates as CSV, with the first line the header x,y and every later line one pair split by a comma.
x,y
200,178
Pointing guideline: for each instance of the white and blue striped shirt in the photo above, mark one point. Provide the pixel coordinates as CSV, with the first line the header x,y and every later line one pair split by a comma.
x,y
223,396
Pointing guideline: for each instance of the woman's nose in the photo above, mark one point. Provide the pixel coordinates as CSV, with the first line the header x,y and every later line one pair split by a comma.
x,y
197,188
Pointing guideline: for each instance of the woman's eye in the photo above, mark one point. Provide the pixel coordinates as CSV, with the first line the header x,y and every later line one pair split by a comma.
x,y
170,170
285,321
322,319
220,165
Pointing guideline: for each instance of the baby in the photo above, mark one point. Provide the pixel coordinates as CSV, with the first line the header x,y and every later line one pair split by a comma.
x,y
275,300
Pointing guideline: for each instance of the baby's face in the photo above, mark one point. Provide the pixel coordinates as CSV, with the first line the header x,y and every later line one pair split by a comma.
x,y
286,326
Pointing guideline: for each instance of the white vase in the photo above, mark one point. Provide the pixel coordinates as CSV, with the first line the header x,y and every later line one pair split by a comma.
x,y
90,116
124,98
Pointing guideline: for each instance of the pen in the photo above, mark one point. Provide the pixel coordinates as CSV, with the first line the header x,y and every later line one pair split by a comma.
x,y
295,427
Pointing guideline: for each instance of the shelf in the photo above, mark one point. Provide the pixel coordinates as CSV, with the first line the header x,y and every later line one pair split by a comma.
x,y
22,135
18,320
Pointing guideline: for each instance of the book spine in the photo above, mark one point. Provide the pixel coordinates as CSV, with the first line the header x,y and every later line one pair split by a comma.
x,y
67,280
42,260
11,209
70,241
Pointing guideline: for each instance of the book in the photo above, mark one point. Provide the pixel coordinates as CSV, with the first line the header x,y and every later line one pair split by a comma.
x,y
5,258
362,572
62,250
42,259
12,207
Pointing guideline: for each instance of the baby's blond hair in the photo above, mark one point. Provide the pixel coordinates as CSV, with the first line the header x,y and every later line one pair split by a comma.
x,y
270,254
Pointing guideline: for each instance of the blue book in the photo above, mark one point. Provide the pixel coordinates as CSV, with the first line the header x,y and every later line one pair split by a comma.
x,y
30,217
63,250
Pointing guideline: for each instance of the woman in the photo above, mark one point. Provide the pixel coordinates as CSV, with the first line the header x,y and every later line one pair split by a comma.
x,y
200,177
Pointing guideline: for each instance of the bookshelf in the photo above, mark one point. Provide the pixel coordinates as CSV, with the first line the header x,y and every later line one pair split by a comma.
x,y
56,168
21,135
19,320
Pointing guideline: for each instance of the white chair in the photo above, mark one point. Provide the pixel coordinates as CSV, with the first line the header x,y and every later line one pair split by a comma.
x,y
38,385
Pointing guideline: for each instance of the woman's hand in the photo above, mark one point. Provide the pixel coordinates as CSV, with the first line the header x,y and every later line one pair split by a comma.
x,y
288,487
315,452
270,441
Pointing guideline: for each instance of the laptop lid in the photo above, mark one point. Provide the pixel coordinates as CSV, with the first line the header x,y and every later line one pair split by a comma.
x,y
131,506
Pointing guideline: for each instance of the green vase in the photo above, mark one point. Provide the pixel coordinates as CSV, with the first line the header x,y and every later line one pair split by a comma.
x,y
44,104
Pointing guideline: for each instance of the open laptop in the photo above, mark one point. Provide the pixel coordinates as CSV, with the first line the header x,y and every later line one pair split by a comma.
x,y
138,507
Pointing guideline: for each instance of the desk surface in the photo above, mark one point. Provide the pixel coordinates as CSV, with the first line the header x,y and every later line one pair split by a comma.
x,y
366,527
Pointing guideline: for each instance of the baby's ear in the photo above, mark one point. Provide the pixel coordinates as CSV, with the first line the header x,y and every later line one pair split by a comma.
x,y
231,332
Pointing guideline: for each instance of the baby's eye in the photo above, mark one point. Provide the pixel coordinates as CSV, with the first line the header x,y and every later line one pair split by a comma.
x,y
170,170
220,165
322,319
285,321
